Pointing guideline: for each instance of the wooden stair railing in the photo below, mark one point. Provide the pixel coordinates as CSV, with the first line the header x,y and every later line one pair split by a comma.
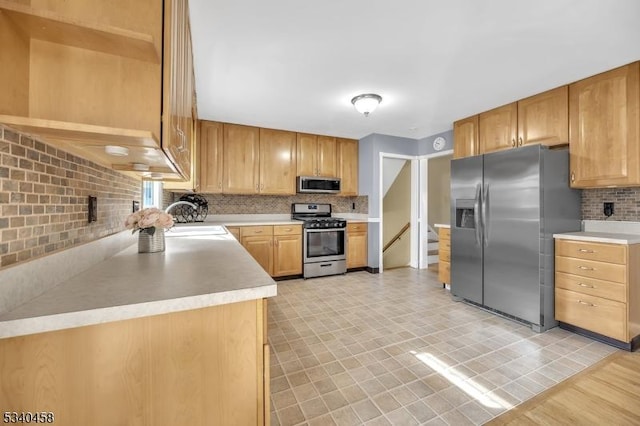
x,y
397,236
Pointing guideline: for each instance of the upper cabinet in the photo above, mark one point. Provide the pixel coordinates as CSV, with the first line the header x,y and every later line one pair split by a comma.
x,y
604,129
277,162
497,129
347,156
210,139
539,119
465,137
58,51
316,155
241,153
544,118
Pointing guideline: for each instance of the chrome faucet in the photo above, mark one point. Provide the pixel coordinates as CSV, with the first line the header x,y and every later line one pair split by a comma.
x,y
177,203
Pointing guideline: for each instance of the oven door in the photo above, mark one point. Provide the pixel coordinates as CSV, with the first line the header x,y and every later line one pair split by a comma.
x,y
322,245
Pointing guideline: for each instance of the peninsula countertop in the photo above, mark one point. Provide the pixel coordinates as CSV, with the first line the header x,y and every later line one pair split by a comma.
x,y
193,272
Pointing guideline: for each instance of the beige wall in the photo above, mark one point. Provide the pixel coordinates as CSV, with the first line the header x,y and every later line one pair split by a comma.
x,y
396,210
43,199
439,190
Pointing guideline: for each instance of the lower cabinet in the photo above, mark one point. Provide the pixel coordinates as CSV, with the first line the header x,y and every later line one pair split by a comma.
x,y
444,255
597,288
200,367
357,245
278,249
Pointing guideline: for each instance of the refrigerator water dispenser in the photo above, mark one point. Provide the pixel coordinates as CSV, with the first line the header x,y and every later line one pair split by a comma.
x,y
465,213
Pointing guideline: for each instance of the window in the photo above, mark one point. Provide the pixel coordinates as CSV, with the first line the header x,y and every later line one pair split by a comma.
x,y
151,194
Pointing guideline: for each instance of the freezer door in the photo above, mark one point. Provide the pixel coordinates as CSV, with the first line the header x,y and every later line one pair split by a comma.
x,y
511,212
466,232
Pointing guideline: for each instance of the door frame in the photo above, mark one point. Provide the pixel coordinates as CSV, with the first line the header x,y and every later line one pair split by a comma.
x,y
413,230
423,208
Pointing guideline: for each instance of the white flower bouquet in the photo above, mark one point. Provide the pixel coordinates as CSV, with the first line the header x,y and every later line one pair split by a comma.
x,y
148,220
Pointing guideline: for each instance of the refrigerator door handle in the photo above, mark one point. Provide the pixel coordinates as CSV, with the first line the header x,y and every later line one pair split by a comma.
x,y
476,213
485,215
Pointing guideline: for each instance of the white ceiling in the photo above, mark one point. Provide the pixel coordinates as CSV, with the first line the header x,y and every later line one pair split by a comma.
x,y
295,64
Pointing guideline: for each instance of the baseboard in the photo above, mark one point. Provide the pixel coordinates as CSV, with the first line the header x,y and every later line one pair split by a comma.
x,y
630,346
372,270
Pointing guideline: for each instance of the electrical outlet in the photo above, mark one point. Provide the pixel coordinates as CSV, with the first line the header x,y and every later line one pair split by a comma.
x,y
136,206
608,209
92,209
353,206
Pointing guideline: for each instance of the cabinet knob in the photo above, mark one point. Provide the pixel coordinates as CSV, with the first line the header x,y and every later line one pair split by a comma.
x,y
520,140
586,303
573,176
586,251
513,142
586,285
586,268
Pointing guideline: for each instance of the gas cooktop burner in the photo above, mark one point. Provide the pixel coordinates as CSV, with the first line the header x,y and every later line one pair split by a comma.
x,y
323,222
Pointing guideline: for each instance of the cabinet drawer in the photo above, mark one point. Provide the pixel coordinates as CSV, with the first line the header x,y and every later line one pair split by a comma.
x,y
444,272
592,313
444,234
246,231
612,253
444,255
287,230
356,227
592,286
592,269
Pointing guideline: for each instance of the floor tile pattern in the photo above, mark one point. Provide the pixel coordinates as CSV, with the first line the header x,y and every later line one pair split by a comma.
x,y
394,349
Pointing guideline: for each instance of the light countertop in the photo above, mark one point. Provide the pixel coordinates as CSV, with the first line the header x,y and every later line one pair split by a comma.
x,y
193,272
442,225
600,237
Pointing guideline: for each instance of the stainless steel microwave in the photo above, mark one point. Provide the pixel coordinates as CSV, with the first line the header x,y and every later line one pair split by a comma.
x,y
318,184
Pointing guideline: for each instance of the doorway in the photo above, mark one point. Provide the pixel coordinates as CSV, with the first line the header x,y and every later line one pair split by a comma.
x,y
398,236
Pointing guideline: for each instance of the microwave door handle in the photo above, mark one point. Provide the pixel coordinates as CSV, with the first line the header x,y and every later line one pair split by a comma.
x,y
476,214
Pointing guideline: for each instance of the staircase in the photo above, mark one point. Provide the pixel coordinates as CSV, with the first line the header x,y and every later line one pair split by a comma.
x,y
432,246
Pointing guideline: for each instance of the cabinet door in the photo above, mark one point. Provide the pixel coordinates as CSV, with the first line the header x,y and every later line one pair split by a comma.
x,y
357,250
277,162
261,249
287,255
327,156
347,156
307,149
465,137
604,141
210,136
497,128
544,118
240,152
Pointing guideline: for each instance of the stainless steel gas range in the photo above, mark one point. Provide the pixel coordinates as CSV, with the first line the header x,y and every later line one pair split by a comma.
x,y
324,244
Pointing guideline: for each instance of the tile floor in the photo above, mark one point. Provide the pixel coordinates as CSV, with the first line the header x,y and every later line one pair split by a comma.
x,y
394,349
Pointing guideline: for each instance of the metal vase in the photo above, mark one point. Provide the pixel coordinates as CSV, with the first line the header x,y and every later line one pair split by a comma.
x,y
151,243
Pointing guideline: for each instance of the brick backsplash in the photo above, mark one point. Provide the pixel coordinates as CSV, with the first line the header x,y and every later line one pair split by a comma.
x,y
43,198
274,204
626,207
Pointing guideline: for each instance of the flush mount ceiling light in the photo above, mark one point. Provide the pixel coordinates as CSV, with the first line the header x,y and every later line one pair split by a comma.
x,y
156,175
116,151
366,103
140,167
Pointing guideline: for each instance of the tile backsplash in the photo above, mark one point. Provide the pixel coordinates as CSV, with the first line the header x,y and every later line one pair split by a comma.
x,y
626,203
274,204
44,195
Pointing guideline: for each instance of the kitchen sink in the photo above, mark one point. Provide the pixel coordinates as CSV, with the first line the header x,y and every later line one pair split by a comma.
x,y
195,230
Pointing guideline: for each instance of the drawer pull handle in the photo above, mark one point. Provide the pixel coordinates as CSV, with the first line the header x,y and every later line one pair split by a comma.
x,y
586,268
586,251
257,231
586,303
586,285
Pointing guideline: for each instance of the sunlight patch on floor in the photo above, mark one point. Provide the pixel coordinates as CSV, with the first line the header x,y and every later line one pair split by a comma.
x,y
462,382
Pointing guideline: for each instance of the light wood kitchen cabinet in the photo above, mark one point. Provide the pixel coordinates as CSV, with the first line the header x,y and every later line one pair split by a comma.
x,y
604,129
241,155
539,119
59,50
278,249
498,128
544,118
206,366
597,289
287,250
316,155
277,162
465,137
357,245
211,165
444,255
347,157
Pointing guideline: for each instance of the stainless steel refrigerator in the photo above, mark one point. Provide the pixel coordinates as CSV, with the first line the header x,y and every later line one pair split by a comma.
x,y
505,208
